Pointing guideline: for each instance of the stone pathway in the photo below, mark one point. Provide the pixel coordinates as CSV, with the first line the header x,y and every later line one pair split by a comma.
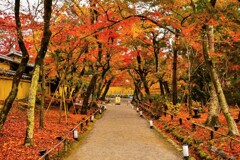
x,y
122,135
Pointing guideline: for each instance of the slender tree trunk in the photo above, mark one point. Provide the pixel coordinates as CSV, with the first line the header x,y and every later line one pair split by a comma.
x,y
31,107
106,89
143,75
189,97
60,110
232,127
39,60
174,77
137,96
94,95
213,109
145,85
100,89
22,66
161,87
64,103
166,87
88,93
139,92
156,48
41,118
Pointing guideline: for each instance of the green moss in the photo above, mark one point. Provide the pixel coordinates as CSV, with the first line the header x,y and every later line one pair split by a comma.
x,y
197,141
209,158
188,141
181,138
202,154
178,136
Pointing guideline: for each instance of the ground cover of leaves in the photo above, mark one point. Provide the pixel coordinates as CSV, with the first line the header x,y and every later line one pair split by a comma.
x,y
13,134
202,136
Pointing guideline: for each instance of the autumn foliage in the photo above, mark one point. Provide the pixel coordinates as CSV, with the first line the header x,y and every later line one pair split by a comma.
x,y
166,48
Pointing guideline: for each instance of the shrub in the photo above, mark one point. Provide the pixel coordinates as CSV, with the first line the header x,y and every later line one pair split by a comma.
x,y
173,109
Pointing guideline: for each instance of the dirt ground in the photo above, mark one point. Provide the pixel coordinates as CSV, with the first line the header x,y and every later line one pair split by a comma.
x,y
122,135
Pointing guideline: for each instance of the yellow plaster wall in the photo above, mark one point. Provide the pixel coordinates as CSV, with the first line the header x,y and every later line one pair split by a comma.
x,y
4,66
6,85
120,91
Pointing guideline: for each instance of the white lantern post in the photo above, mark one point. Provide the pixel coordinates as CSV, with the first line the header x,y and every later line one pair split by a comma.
x,y
92,118
75,134
151,123
185,151
141,113
137,109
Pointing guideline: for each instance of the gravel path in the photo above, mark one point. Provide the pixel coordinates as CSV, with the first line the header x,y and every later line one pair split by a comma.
x,y
122,135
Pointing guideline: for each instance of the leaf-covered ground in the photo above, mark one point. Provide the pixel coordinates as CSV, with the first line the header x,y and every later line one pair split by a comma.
x,y
201,136
13,133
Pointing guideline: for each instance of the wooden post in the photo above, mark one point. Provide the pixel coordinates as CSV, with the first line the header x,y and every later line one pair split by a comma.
x,y
81,126
42,153
193,127
65,145
180,121
47,157
212,134
231,144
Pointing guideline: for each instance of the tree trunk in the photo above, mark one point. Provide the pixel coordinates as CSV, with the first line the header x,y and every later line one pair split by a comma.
x,y
94,95
88,94
161,87
145,85
100,89
174,77
213,110
137,96
31,107
156,49
189,97
232,127
143,75
41,118
60,111
139,92
165,83
21,68
64,103
106,89
38,62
